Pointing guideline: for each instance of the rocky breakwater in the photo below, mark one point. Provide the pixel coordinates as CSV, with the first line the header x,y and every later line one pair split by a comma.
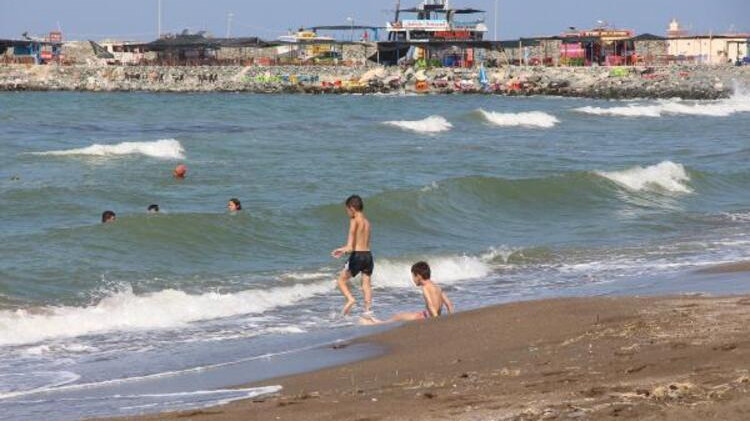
x,y
177,79
689,82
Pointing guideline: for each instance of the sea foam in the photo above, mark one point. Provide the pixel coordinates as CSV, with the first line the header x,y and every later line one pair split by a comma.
x,y
736,104
162,149
666,175
446,270
432,124
535,119
126,311
169,309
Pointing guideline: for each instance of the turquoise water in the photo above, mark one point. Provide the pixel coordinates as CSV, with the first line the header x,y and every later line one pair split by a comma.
x,y
507,198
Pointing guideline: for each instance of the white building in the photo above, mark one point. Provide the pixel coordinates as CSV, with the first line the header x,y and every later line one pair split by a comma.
x,y
706,49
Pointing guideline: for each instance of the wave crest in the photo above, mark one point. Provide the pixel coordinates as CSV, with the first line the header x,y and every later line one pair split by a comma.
x,y
432,124
162,149
127,311
724,108
666,175
446,270
536,119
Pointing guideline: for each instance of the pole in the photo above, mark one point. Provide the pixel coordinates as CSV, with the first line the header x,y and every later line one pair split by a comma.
x,y
158,21
496,8
230,15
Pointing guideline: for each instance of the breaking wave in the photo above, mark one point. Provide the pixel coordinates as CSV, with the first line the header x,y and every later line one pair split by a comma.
x,y
161,149
666,175
432,124
536,119
723,108
126,311
446,270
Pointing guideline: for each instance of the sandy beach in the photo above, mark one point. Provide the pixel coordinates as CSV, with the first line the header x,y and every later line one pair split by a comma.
x,y
672,358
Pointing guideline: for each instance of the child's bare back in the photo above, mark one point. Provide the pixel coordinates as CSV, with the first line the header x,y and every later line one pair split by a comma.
x,y
360,256
434,299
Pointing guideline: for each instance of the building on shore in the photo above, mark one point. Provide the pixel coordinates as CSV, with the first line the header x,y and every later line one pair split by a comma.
x,y
706,49
123,52
435,34
308,47
650,50
710,49
32,50
181,50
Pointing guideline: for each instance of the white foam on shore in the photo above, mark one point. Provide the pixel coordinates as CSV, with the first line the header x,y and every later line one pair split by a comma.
x,y
666,175
14,384
126,311
432,124
537,119
445,270
723,108
162,149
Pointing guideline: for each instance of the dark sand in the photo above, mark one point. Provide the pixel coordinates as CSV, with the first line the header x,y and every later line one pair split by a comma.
x,y
685,358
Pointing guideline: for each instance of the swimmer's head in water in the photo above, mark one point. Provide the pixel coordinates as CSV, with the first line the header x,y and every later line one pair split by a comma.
x,y
420,272
153,209
108,216
180,171
234,205
354,204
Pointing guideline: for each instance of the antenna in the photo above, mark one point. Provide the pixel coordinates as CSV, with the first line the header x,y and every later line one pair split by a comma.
x,y
230,15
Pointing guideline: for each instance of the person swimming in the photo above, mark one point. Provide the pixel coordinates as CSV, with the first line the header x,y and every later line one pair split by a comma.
x,y
234,205
180,171
108,216
153,208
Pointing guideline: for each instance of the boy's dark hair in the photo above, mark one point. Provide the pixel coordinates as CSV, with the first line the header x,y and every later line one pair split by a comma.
x,y
236,203
422,269
107,215
154,208
355,202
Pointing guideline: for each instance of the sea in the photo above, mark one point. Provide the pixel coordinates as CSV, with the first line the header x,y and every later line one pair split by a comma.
x,y
507,199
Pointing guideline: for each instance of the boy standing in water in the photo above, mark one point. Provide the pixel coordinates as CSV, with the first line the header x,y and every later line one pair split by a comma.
x,y
360,257
434,298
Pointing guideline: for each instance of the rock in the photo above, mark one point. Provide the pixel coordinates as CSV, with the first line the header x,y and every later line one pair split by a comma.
x,y
673,391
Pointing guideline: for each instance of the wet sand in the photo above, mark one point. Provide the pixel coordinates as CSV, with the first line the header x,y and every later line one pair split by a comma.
x,y
680,358
735,267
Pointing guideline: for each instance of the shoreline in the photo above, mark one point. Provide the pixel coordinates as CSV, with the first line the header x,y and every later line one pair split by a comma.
x,y
686,82
583,358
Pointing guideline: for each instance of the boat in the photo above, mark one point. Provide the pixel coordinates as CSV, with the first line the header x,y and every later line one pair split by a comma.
x,y
432,23
304,36
436,20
